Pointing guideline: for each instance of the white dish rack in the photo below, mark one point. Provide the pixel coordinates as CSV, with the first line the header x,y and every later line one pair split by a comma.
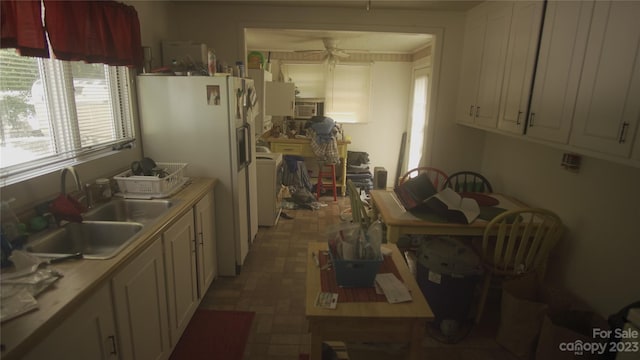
x,y
147,187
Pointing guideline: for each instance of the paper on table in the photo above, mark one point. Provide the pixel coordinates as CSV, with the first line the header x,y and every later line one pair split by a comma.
x,y
394,290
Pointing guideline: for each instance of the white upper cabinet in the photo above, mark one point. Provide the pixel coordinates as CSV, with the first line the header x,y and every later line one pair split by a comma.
x,y
280,98
636,148
518,72
562,50
608,102
485,49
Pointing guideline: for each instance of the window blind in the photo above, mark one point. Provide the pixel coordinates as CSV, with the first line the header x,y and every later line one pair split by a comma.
x,y
54,111
346,88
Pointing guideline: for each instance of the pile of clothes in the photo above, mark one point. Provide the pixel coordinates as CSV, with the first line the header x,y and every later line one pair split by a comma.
x,y
323,132
358,170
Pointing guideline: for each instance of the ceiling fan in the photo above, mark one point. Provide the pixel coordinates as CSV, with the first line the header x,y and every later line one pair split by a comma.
x,y
332,54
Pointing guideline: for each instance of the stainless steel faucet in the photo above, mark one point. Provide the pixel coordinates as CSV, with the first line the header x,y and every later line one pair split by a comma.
x,y
63,179
81,194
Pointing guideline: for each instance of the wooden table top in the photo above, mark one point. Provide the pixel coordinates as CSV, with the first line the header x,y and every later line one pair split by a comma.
x,y
394,214
299,140
416,309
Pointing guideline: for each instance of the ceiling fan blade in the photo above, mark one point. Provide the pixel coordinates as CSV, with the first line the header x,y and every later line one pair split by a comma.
x,y
339,53
310,51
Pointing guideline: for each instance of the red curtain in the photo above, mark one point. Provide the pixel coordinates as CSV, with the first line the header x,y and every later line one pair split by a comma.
x,y
94,31
21,27
79,30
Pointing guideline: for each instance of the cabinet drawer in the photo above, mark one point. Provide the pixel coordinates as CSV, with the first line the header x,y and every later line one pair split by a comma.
x,y
292,149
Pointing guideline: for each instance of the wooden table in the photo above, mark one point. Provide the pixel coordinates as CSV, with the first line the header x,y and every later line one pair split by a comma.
x,y
302,147
366,321
399,221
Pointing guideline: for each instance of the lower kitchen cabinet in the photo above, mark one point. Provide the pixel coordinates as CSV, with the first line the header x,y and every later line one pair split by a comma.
x,y
140,301
182,282
89,333
206,243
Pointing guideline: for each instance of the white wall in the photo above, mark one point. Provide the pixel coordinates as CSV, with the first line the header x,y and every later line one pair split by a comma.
x,y
389,104
598,258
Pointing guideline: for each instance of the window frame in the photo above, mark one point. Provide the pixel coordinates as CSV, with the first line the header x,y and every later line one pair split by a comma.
x,y
67,147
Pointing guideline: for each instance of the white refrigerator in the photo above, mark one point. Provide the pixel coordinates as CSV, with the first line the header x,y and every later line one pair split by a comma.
x,y
208,123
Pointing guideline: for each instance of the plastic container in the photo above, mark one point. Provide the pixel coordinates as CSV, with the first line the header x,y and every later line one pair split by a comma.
x,y
134,186
211,62
104,188
447,272
240,69
356,273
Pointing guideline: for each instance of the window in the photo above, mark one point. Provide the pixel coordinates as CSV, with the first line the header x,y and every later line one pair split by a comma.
x,y
54,111
418,117
345,87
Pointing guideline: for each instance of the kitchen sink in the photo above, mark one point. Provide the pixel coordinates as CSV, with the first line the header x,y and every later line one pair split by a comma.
x,y
129,210
94,239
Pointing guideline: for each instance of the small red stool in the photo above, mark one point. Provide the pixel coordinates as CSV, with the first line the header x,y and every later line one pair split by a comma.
x,y
327,171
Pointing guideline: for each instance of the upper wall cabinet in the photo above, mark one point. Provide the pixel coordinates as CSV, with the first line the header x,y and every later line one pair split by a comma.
x,y
274,99
483,62
280,98
608,101
518,72
562,49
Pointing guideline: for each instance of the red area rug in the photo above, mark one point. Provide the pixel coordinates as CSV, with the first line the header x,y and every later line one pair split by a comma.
x,y
213,334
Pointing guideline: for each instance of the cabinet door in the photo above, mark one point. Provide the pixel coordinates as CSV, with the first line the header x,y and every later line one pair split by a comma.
x,y
608,103
521,56
182,283
280,98
562,47
475,28
141,308
206,237
636,148
485,48
493,62
89,333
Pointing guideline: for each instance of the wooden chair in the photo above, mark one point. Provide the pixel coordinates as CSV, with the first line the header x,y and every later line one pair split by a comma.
x,y
517,242
437,176
468,181
359,213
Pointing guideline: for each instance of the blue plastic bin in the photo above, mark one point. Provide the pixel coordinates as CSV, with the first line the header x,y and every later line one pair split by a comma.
x,y
356,273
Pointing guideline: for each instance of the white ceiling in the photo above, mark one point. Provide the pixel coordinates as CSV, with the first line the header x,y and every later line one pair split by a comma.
x,y
280,40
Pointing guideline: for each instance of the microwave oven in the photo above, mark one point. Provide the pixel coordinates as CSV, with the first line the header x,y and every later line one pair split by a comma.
x,y
308,108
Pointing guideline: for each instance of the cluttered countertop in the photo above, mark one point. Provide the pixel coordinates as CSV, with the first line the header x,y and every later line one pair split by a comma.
x,y
82,277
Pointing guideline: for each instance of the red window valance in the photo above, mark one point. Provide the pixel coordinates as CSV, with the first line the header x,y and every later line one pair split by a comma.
x,y
21,27
92,31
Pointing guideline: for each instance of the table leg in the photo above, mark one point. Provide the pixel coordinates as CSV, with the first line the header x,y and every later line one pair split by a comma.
x,y
393,234
415,346
343,177
316,347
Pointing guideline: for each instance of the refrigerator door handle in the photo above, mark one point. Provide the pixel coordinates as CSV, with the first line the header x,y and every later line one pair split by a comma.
x,y
248,143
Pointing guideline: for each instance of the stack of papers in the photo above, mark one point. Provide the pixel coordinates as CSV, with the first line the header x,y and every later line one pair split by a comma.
x,y
394,290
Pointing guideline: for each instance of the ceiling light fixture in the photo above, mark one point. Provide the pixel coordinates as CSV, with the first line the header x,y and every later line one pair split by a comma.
x,y
368,7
